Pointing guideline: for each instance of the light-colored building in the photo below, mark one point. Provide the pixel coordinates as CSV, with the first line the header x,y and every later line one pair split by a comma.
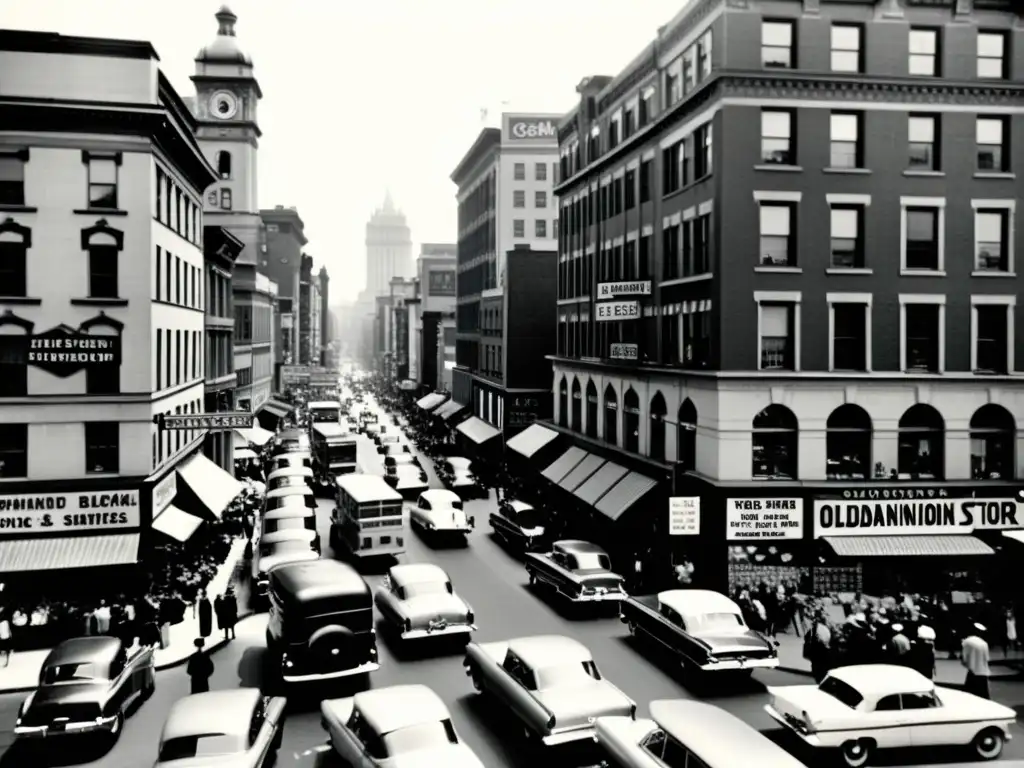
x,y
445,346
388,248
435,273
282,262
255,300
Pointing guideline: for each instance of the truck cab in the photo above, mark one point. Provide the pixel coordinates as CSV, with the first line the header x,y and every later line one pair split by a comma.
x,y
334,451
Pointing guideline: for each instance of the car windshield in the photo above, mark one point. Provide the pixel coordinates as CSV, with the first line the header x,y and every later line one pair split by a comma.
x,y
419,588
579,673
841,691
419,737
713,622
69,673
587,561
529,518
203,745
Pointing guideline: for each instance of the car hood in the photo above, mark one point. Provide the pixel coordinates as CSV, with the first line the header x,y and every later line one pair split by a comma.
x,y
973,706
454,756
734,642
410,481
450,607
67,693
573,705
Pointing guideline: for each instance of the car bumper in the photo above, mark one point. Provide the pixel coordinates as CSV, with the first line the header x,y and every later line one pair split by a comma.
x,y
464,530
100,725
810,739
602,598
736,665
447,631
311,677
569,736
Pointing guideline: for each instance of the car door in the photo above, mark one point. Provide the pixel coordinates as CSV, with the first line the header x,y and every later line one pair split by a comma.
x,y
929,724
121,681
261,734
887,723
142,670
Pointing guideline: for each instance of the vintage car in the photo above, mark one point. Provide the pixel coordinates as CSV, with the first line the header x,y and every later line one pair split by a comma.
x,y
290,441
419,601
403,726
397,449
684,732
285,480
288,461
281,473
439,513
86,686
551,684
577,570
409,480
288,517
239,728
373,428
292,494
518,524
863,709
384,441
292,534
704,629
457,475
398,459
271,556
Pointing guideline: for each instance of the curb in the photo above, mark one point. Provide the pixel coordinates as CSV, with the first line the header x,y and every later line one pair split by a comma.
x,y
794,671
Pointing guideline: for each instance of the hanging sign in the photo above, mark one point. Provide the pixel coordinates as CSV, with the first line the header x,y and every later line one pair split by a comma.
x,y
624,351
916,518
755,519
26,513
617,310
215,422
684,516
634,288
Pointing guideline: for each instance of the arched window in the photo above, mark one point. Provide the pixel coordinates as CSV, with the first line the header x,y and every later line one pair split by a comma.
x,y
104,244
14,333
563,403
224,164
611,415
104,378
848,444
686,435
922,444
657,428
577,406
631,421
993,433
591,409
774,444
15,240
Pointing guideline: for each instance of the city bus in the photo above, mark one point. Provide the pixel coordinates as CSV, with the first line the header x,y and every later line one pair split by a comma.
x,y
324,410
368,520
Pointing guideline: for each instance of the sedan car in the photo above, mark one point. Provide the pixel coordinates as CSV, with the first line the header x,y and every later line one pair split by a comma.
x,y
419,601
397,449
865,708
297,459
304,472
439,513
301,491
518,524
457,474
397,459
273,555
404,726
296,533
407,479
238,728
385,440
285,480
86,686
579,571
373,428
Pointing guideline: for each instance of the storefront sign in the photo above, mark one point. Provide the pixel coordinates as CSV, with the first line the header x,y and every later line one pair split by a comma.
x,y
747,519
211,421
613,290
892,493
323,380
294,374
618,310
520,128
916,518
62,351
164,493
66,512
441,282
625,351
684,516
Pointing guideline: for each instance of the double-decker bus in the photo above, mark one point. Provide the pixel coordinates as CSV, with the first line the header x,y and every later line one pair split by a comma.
x,y
368,519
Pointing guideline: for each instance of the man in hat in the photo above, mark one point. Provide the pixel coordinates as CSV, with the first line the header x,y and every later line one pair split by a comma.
x,y
922,655
899,645
974,656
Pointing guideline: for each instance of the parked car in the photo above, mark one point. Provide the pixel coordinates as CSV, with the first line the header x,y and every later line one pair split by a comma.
x,y
704,629
518,524
439,513
397,449
238,728
291,495
372,428
277,474
303,460
284,479
293,515
407,479
296,533
86,686
397,459
290,441
457,475
863,709
386,439
418,601
550,683
579,571
403,726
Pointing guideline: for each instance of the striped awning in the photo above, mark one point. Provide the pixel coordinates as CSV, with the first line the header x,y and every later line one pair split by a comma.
x,y
581,472
531,440
624,494
449,410
907,546
52,553
564,464
431,401
177,524
686,307
600,482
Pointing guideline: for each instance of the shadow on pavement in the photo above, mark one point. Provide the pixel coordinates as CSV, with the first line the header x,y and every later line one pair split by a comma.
x,y
369,566
571,612
505,547
55,754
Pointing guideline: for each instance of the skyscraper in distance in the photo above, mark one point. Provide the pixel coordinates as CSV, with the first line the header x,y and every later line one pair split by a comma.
x,y
388,248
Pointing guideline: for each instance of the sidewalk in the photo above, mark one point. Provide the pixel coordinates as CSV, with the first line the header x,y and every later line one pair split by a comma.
x,y
22,674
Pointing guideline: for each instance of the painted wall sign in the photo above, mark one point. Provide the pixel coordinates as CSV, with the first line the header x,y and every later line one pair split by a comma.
x,y
916,518
212,421
66,512
522,128
441,282
684,516
617,310
164,493
634,288
624,351
753,519
62,351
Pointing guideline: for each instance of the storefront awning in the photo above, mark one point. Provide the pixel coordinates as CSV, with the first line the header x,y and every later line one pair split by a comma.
x,y
477,430
624,494
907,546
241,454
531,440
52,553
279,409
564,464
449,410
598,484
177,524
214,487
582,472
431,401
254,434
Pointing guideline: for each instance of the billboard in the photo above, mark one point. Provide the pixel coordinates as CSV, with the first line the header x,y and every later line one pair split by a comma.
x,y
530,129
441,282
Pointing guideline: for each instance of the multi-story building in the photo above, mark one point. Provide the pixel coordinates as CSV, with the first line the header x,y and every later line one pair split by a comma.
x,y
505,201
404,299
787,280
285,238
254,344
310,317
101,237
326,324
435,273
388,248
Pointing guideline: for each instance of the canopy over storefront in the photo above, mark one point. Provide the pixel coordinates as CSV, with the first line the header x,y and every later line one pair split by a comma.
x,y
564,464
273,412
254,435
907,546
477,430
450,410
49,553
210,484
177,524
431,401
625,494
531,440
581,472
599,483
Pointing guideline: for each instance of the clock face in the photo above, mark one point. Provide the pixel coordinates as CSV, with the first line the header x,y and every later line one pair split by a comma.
x,y
223,105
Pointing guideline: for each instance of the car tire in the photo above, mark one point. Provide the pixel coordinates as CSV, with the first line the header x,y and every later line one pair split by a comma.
x,y
856,753
150,689
988,745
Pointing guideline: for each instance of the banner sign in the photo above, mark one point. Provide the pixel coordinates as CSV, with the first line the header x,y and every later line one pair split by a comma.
x,y
294,374
916,518
212,421
684,516
164,493
617,310
625,351
441,282
613,290
522,127
883,494
68,512
61,351
753,519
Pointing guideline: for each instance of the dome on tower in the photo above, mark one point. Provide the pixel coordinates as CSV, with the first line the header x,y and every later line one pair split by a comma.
x,y
224,48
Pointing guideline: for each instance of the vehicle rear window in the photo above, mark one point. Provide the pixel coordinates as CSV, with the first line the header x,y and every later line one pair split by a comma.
x,y
203,745
712,622
592,560
66,673
840,691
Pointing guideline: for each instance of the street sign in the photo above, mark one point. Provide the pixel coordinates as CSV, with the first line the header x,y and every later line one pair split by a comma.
x,y
215,422
624,351
614,290
617,310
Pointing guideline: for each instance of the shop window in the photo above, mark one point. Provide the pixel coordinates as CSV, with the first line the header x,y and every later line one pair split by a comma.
x,y
686,435
102,446
611,416
591,409
921,444
631,421
563,403
993,432
774,444
14,332
848,444
577,406
13,450
657,428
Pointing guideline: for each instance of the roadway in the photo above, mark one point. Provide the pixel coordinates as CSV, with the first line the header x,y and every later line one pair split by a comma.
x,y
494,583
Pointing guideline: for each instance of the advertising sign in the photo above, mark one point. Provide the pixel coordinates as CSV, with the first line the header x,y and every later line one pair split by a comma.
x,y
441,282
212,421
754,519
164,493
61,351
294,374
916,518
617,310
23,513
634,288
684,516
625,351
536,129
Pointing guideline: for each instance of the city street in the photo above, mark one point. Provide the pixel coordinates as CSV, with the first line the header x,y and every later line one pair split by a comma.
x,y
494,582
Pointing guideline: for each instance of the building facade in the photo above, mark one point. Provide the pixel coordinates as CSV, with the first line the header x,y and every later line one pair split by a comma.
x,y
796,284
404,299
285,238
435,273
326,323
388,248
256,324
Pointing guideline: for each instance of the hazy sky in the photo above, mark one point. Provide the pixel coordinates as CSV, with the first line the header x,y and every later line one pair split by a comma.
x,y
360,97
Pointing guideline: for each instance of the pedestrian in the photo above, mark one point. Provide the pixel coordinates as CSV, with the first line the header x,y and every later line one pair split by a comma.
x,y
974,655
6,640
684,572
102,618
638,572
1011,631
200,668
923,652
230,607
205,610
899,645
218,612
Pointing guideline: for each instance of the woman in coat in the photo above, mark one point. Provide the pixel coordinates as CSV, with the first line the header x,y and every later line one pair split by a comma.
x,y
199,669
229,613
205,615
